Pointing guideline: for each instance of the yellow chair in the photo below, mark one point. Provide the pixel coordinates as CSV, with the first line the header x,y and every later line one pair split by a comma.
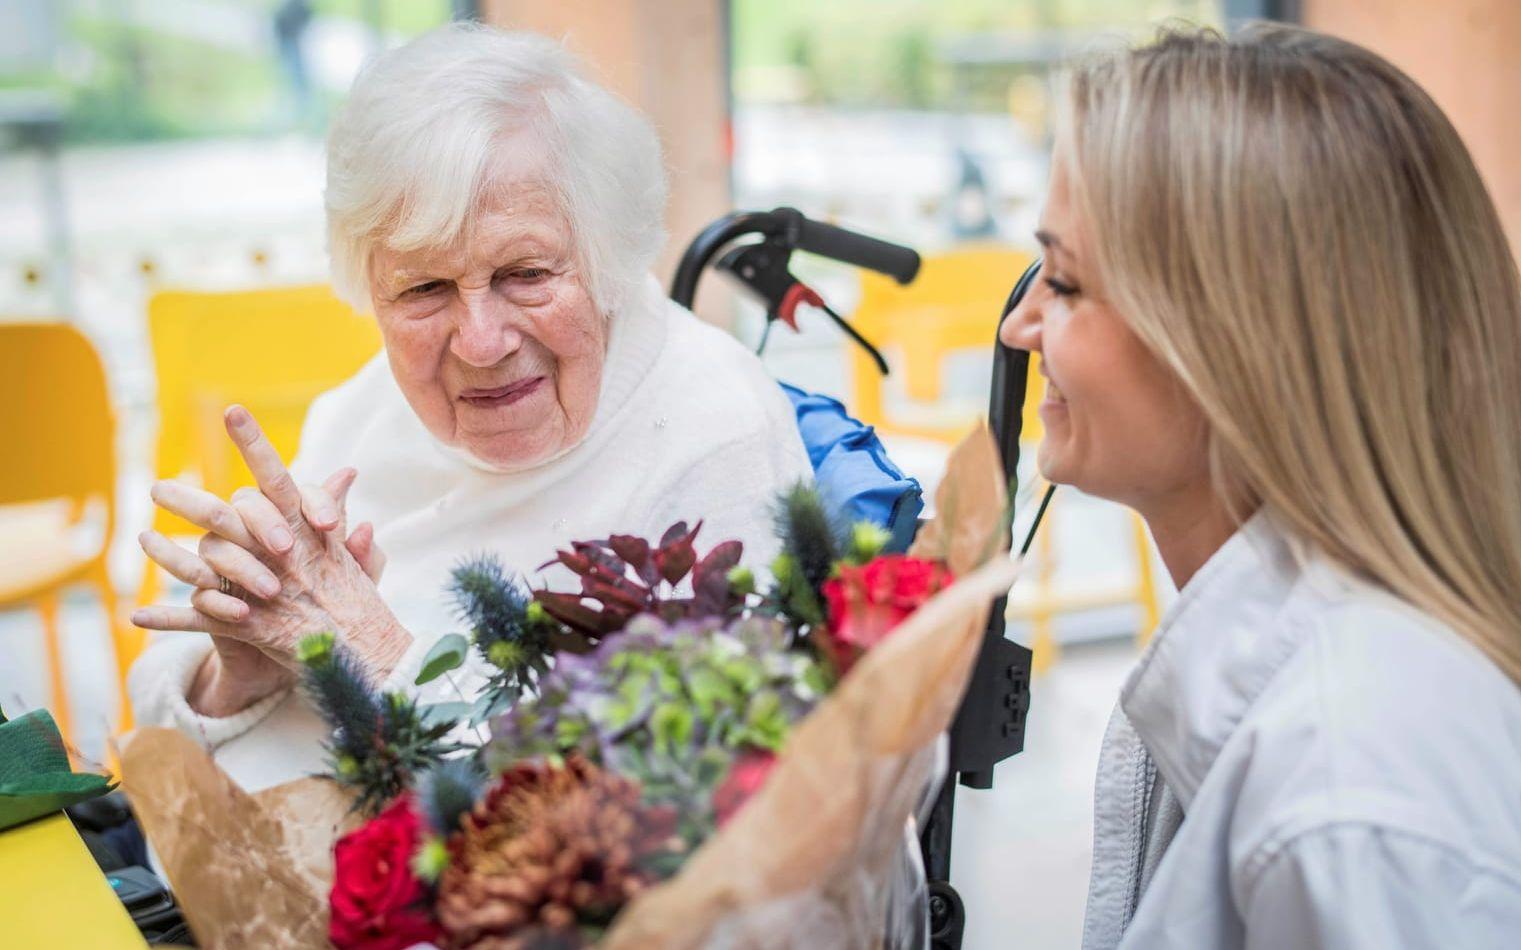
x,y
953,306
272,350
57,424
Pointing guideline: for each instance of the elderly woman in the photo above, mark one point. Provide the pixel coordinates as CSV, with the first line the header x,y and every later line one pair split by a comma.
x,y
499,213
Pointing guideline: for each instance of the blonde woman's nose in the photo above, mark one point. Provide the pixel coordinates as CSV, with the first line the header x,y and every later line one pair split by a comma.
x,y
1020,330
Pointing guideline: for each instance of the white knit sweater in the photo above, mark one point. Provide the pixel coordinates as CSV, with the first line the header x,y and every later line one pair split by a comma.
x,y
688,426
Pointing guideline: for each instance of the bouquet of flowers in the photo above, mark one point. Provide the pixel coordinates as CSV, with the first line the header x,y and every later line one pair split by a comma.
x,y
666,757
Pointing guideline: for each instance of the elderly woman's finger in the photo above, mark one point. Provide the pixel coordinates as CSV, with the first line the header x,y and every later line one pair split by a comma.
x,y
323,506
238,566
219,606
163,617
202,509
269,472
176,560
261,517
361,544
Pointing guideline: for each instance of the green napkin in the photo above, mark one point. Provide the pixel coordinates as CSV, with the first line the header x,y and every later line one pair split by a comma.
x,y
35,778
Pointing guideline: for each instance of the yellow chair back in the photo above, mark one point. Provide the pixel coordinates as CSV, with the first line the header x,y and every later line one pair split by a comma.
x,y
55,417
953,306
57,424
271,350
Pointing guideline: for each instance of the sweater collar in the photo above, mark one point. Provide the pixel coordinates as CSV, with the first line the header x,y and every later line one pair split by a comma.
x,y
1216,649
636,335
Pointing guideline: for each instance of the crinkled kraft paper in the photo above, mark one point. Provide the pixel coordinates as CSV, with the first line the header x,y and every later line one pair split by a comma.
x,y
247,870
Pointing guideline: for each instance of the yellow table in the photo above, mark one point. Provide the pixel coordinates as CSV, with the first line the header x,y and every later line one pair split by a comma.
x,y
53,895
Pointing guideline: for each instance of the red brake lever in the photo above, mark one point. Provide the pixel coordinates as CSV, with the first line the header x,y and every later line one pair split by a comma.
x,y
796,294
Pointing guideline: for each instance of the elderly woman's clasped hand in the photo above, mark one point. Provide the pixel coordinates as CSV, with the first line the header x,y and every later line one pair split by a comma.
x,y
275,565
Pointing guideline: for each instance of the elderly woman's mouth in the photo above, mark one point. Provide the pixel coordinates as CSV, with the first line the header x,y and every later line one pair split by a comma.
x,y
502,395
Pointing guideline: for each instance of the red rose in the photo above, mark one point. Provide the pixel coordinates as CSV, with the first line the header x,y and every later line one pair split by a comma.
x,y
746,776
867,602
376,901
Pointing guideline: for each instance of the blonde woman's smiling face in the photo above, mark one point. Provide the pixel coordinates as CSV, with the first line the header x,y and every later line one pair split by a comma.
x,y
496,343
1118,423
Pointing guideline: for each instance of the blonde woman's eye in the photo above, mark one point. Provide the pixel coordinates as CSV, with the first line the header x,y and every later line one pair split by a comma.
x,y
1060,288
531,273
427,287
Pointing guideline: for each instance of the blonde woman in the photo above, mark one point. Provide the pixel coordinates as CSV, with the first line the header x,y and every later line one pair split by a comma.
x,y
1279,318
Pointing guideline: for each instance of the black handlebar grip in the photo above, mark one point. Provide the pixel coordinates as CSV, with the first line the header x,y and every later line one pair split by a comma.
x,y
898,262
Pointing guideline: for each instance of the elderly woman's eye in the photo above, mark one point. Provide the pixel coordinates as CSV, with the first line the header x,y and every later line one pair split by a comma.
x,y
529,273
427,287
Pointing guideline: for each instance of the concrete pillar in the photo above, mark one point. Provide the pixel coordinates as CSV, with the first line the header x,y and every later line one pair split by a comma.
x,y
1467,54
669,58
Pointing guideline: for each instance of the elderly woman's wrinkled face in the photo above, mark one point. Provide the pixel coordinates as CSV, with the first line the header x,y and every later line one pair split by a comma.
x,y
497,345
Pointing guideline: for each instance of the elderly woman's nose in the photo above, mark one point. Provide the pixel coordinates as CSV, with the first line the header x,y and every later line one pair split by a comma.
x,y
485,335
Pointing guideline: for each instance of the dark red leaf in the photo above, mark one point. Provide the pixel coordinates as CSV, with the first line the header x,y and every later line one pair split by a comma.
x,y
712,594
577,563
710,578
634,550
568,609
614,594
601,556
674,533
722,559
676,559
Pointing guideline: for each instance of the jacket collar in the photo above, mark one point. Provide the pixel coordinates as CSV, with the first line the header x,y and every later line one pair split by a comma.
x,y
1218,646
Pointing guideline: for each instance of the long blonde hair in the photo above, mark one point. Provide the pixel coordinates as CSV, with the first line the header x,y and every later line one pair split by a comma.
x,y
1292,225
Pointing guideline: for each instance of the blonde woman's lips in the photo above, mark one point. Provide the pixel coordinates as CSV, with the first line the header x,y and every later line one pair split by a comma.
x,y
1054,398
501,395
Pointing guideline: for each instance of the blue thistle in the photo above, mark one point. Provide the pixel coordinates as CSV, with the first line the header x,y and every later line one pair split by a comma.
x,y
376,742
809,534
509,630
447,790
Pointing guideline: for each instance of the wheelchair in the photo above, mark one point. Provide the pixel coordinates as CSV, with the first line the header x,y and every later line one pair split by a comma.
x,y
854,476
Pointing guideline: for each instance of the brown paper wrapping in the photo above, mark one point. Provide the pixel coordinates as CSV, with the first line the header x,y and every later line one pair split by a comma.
x,y
970,505
247,870
798,866
785,871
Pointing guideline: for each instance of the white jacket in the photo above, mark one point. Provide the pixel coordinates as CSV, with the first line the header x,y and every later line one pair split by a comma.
x,y
1301,760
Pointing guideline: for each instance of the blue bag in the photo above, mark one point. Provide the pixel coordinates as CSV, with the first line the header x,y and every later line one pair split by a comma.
x,y
852,470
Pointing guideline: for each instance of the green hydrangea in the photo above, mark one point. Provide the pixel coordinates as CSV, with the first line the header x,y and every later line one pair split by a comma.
x,y
668,704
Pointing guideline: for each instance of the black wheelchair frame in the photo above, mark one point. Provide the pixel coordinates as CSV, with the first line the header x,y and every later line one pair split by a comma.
x,y
990,725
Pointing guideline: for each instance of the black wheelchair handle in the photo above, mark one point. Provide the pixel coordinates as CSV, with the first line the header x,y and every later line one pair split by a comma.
x,y
898,262
789,228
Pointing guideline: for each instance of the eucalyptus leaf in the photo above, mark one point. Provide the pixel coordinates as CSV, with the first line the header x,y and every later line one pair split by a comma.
x,y
490,705
447,654
438,714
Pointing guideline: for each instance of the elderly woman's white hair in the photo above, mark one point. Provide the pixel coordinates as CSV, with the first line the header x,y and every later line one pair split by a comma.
x,y
409,155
